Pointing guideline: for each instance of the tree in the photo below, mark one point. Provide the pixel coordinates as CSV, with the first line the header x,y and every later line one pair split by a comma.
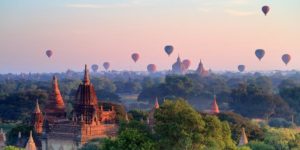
x,y
218,134
179,126
237,122
258,145
134,135
13,148
282,138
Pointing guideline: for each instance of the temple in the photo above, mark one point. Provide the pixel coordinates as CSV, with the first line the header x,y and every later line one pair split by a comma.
x,y
214,106
178,67
88,120
201,70
55,107
37,119
151,119
2,139
243,138
30,143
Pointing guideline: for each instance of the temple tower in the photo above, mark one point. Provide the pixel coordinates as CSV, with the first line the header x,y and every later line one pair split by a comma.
x,y
243,138
37,119
86,104
55,107
30,144
178,67
151,119
214,106
2,138
201,70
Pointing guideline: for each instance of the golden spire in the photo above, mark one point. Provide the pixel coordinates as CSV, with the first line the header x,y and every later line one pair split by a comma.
x,y
156,105
243,139
56,93
30,144
86,79
37,109
214,106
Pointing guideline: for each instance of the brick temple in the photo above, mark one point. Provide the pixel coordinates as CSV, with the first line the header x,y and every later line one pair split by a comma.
x,y
89,120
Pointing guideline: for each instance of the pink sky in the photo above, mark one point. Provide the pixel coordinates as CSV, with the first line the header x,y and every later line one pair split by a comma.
x,y
222,33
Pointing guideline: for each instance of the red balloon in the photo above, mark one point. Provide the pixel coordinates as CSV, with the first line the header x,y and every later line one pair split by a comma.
x,y
135,57
186,63
151,68
265,9
49,53
106,65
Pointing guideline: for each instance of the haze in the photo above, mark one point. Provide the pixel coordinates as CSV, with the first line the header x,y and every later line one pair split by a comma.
x,y
222,33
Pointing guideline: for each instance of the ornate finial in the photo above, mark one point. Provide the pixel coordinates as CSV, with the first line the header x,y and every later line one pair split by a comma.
x,y
37,107
86,79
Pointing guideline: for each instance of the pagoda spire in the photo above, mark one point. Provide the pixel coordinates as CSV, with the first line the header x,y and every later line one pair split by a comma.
x,y
156,105
56,93
214,106
37,109
37,119
30,143
243,139
86,79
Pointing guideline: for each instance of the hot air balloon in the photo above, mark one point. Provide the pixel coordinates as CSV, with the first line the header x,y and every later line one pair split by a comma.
x,y
265,9
151,68
106,65
286,58
135,57
241,68
169,49
186,63
49,53
260,53
95,67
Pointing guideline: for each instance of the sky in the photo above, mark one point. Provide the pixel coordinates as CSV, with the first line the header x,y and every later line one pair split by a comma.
x,y
222,33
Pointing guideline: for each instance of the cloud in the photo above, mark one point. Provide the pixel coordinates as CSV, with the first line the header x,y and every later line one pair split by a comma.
x,y
239,13
95,6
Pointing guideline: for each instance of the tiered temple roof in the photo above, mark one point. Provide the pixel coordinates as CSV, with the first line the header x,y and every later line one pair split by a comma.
x,y
201,70
214,106
86,103
178,66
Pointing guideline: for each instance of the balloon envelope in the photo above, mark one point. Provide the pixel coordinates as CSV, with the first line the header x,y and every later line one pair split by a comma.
x,y
106,65
260,53
49,53
95,67
151,68
241,68
186,63
286,58
135,57
265,9
169,49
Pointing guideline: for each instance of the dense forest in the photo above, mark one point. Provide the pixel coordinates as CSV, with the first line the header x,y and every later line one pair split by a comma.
x,y
266,105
